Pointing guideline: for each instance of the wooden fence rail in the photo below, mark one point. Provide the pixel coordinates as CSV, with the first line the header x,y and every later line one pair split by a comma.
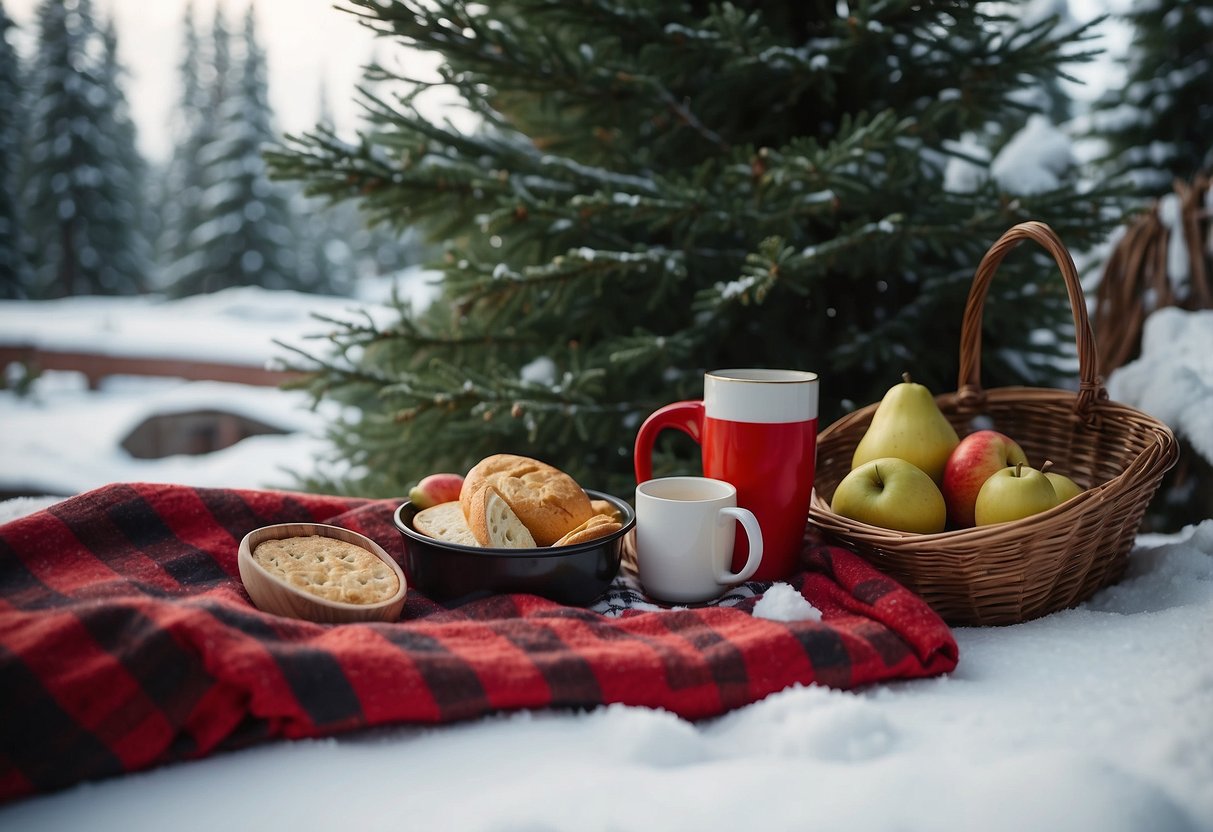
x,y
96,367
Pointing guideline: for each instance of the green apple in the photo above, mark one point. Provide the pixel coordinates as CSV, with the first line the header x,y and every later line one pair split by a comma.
x,y
893,494
1063,485
1013,494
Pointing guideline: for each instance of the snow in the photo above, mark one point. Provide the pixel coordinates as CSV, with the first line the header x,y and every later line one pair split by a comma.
x,y
1034,160
1173,378
63,440
736,288
541,371
783,603
1096,718
1170,214
962,175
242,323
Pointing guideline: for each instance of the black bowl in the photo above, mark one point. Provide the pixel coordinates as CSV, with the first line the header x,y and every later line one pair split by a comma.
x,y
452,574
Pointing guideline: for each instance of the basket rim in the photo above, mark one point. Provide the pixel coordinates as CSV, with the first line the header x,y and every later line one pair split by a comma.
x,y
1136,474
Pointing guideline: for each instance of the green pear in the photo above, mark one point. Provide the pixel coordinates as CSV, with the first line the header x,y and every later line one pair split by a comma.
x,y
908,425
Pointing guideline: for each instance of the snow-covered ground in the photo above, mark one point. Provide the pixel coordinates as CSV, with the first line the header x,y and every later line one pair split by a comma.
x,y
63,439
1097,718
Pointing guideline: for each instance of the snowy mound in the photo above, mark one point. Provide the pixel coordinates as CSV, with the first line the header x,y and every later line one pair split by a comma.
x,y
1173,378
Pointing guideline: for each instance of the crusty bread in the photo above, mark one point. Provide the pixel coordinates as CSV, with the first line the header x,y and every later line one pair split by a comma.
x,y
548,501
328,568
445,521
597,526
604,508
495,524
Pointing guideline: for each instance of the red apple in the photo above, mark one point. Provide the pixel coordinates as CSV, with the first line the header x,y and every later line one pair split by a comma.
x,y
970,464
435,489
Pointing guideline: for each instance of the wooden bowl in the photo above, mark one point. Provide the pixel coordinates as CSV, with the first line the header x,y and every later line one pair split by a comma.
x,y
273,595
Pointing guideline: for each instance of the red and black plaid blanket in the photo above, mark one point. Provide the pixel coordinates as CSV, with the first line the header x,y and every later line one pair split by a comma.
x,y
127,641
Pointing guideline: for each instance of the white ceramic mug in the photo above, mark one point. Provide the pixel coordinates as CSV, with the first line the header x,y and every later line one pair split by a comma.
x,y
684,538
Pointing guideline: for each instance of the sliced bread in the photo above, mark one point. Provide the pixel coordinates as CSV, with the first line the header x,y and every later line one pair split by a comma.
x,y
445,521
495,524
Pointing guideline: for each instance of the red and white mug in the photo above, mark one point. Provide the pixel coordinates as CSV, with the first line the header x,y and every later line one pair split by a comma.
x,y
757,430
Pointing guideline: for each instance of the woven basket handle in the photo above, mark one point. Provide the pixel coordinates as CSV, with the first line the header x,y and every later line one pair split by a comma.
x,y
1090,385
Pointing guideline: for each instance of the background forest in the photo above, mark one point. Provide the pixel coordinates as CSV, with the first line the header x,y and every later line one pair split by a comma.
x,y
82,211
651,190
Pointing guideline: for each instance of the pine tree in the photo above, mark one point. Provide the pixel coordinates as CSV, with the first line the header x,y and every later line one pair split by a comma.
x,y
326,260
1159,126
668,187
184,179
14,275
246,236
127,247
76,191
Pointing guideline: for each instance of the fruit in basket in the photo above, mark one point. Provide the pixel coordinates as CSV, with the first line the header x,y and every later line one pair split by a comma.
x,y
970,464
891,493
435,490
908,425
1013,494
1063,485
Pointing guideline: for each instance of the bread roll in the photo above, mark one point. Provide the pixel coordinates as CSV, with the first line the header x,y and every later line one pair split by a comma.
x,y
495,524
548,501
445,521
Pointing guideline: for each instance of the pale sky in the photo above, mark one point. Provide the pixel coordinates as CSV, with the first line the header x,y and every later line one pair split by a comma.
x,y
304,41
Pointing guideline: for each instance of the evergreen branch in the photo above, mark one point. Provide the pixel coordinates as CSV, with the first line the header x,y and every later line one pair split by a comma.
x,y
488,396
647,349
681,111
776,263
409,331
511,50
565,286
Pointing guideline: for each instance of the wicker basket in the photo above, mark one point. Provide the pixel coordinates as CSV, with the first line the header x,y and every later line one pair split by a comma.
x,y
1013,572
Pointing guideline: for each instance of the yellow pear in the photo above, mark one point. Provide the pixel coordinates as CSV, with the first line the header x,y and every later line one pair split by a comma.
x,y
908,425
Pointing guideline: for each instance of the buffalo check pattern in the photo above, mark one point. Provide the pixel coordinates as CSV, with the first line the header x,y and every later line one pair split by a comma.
x,y
127,640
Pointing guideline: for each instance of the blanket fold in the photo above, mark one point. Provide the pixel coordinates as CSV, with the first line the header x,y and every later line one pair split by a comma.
x,y
127,641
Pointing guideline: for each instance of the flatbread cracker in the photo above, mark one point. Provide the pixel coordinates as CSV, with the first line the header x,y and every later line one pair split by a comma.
x,y
328,568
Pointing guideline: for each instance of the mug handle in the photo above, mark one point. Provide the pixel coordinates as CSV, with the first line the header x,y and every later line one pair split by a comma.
x,y
684,416
754,532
